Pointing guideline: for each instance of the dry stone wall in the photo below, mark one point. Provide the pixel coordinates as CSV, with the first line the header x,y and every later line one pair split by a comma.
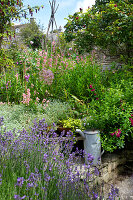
x,y
112,163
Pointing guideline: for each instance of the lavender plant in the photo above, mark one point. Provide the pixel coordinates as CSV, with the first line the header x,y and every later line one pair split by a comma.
x,y
33,166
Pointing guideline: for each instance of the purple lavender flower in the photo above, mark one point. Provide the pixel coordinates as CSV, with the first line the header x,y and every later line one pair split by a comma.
x,y
45,157
17,197
90,158
20,181
95,196
30,185
96,171
1,121
114,193
0,179
27,166
36,194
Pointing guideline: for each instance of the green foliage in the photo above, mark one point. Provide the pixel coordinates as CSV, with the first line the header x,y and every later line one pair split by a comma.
x,y
5,61
11,87
14,49
108,25
57,110
61,46
71,123
10,10
32,35
109,115
106,96
76,78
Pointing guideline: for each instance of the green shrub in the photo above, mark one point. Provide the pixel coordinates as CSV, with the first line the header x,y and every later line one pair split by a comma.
x,y
5,61
112,117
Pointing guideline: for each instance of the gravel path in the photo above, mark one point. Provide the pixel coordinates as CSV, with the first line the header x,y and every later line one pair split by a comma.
x,y
125,188
124,183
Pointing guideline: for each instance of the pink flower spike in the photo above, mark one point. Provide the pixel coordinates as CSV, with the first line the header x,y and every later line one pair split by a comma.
x,y
95,94
91,86
16,76
93,90
115,5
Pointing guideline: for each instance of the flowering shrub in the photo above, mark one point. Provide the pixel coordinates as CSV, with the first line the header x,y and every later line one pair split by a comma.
x,y
112,116
55,73
78,80
117,133
40,170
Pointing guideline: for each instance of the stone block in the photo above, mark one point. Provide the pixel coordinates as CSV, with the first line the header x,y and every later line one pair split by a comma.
x,y
106,177
114,165
110,167
104,170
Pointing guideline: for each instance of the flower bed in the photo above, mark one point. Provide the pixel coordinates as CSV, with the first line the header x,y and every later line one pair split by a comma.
x,y
82,88
31,168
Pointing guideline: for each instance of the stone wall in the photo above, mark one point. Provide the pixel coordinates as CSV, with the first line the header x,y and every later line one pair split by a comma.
x,y
110,166
104,58
112,163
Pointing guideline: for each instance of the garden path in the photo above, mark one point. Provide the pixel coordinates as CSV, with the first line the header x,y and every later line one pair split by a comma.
x,y
124,183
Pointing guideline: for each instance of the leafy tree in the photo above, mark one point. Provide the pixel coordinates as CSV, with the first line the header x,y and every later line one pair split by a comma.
x,y
107,24
32,35
10,10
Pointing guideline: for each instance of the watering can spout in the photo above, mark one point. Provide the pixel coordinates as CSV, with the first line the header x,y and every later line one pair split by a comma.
x,y
80,132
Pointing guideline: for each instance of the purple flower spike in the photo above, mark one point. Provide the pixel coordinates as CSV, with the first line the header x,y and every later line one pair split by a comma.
x,y
0,179
17,197
95,195
20,181
23,197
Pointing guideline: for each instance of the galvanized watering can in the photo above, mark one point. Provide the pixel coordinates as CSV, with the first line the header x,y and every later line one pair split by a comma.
x,y
92,144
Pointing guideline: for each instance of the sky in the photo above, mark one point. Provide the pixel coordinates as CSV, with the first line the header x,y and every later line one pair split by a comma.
x,y
66,7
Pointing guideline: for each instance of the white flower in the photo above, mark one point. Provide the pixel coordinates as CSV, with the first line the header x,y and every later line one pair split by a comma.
x,y
31,42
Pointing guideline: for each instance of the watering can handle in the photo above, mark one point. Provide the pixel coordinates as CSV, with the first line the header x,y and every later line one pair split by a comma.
x,y
102,152
80,132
